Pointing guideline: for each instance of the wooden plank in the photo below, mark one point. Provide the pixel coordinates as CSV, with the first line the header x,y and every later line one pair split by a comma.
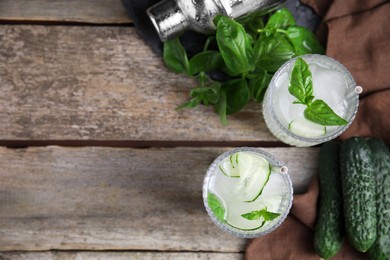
x,y
102,83
96,198
120,255
86,11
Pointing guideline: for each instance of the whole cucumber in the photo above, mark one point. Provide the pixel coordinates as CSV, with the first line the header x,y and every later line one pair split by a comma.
x,y
381,248
358,186
329,229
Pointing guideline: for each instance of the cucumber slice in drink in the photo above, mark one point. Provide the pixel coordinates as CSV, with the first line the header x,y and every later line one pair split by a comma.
x,y
234,160
235,211
305,128
252,170
254,173
229,166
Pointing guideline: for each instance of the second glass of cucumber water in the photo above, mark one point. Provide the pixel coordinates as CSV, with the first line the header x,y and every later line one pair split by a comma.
x,y
247,192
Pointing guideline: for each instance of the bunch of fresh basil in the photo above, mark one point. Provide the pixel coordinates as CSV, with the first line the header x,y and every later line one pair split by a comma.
x,y
248,53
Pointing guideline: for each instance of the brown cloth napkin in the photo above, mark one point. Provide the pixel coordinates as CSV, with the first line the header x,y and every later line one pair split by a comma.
x,y
356,33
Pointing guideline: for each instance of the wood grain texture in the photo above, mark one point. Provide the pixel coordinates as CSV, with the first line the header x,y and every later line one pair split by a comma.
x,y
95,198
120,255
102,83
86,11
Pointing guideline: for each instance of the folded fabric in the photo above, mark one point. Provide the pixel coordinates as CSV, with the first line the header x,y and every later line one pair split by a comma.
x,y
358,36
373,117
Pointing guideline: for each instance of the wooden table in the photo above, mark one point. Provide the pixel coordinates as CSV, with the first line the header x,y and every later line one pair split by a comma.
x,y
95,162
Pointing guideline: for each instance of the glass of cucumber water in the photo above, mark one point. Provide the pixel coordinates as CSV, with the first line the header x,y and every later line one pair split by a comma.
x,y
297,103
247,192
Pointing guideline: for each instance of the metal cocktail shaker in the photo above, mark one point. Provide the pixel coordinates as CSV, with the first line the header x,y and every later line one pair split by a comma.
x,y
172,17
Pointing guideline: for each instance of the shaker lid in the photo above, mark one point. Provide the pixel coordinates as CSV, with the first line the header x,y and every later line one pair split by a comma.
x,y
168,19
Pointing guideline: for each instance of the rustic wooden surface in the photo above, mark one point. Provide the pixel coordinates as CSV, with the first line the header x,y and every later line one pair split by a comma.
x,y
102,83
85,11
117,171
117,198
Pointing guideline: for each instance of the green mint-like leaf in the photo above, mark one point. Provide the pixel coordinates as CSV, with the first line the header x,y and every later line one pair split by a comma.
x,y
205,95
258,84
257,214
237,94
175,57
301,83
193,102
253,26
216,206
208,95
281,19
205,61
319,112
234,45
272,51
304,41
220,107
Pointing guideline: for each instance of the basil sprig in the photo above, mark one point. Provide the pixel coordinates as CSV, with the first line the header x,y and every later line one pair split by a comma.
x,y
301,87
263,213
246,53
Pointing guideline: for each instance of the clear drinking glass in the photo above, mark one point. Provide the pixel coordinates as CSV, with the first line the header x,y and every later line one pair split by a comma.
x,y
332,82
276,195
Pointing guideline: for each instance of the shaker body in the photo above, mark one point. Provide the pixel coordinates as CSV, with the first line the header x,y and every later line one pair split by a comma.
x,y
240,8
172,17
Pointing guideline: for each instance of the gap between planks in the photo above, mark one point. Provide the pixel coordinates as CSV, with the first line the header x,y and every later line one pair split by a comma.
x,y
136,144
65,255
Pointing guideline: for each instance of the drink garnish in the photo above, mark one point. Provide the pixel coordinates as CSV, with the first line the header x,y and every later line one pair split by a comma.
x,y
301,87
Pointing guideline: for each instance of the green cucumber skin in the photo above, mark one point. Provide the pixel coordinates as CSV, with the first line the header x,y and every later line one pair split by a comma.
x,y
329,229
381,248
359,192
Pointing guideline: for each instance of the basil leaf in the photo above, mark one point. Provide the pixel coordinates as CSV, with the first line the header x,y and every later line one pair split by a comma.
x,y
205,95
234,45
281,19
304,41
269,31
205,61
272,51
257,214
319,112
216,206
252,27
194,102
175,57
258,85
301,84
221,107
208,95
237,94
